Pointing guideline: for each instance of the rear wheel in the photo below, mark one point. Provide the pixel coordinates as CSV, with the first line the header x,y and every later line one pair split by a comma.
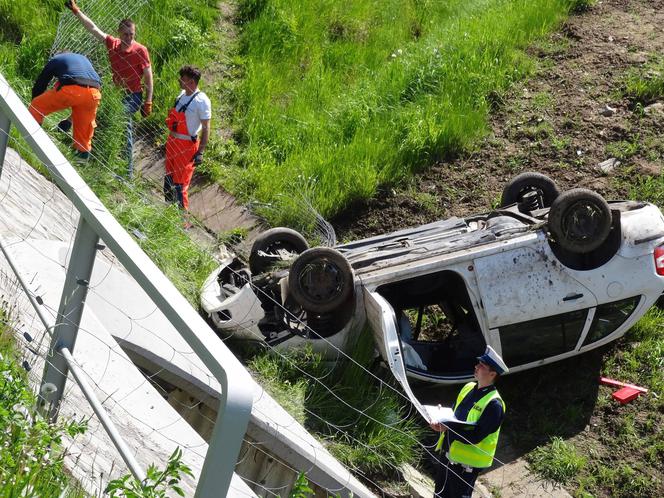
x,y
274,245
580,220
530,190
321,280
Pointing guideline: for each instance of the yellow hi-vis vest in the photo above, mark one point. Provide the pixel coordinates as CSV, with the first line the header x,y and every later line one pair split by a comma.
x,y
479,455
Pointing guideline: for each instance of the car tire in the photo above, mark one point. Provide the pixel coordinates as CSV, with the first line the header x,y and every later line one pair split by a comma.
x,y
528,183
272,241
321,280
580,220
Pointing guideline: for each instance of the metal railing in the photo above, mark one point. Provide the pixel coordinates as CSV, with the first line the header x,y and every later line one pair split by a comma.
x,y
96,223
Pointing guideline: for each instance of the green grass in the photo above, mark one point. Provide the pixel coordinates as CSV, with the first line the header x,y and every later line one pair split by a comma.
x,y
368,93
608,449
559,461
646,85
31,451
362,422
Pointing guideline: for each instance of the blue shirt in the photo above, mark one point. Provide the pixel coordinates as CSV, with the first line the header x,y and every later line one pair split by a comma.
x,y
66,68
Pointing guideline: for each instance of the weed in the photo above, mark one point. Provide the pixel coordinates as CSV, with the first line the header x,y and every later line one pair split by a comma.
x,y
624,149
560,143
542,101
301,488
645,85
157,483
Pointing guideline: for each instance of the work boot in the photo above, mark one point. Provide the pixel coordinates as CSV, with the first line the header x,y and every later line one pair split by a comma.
x,y
81,156
64,126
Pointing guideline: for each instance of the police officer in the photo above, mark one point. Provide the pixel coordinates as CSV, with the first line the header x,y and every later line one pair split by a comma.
x,y
466,449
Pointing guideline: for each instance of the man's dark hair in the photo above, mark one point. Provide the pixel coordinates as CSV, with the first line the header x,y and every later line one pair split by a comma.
x,y
126,23
191,72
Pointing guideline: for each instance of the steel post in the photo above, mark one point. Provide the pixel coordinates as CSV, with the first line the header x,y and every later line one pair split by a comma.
x,y
74,292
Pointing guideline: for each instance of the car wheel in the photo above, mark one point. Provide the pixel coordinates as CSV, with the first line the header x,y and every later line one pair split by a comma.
x,y
530,190
321,279
580,220
276,244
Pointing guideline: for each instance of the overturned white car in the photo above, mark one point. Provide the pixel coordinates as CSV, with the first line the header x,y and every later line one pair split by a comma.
x,y
546,276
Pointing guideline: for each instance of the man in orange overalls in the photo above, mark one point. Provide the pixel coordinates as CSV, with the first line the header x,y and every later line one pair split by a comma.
x,y
190,115
77,88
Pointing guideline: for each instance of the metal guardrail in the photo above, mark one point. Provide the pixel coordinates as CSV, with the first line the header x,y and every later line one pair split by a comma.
x,y
96,223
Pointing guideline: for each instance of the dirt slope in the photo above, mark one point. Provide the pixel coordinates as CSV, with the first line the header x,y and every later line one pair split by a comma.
x,y
553,124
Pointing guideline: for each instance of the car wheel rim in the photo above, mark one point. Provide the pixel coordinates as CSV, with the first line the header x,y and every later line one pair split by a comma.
x,y
582,221
321,281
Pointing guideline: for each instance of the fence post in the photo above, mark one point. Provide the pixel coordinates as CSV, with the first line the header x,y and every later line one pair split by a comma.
x,y
4,138
74,292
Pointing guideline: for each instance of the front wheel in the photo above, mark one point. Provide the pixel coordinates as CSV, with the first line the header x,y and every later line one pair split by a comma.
x,y
580,220
274,245
321,280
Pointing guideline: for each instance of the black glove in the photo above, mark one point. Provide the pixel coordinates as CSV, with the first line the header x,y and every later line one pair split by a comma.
x,y
198,158
71,5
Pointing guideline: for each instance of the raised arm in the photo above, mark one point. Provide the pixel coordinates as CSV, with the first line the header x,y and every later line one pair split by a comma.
x,y
86,21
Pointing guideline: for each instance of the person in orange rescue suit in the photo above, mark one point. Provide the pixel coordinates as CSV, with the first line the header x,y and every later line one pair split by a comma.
x,y
190,115
131,68
466,449
77,87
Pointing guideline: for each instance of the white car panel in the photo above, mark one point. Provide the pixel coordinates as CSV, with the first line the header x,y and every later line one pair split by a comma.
x,y
527,283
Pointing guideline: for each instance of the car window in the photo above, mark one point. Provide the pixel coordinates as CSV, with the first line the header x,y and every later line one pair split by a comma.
x,y
608,317
542,338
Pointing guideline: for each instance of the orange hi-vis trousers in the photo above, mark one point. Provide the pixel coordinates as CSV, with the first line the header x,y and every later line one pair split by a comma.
x,y
179,169
83,102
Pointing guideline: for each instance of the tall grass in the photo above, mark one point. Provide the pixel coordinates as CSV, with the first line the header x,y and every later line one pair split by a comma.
x,y
364,424
357,94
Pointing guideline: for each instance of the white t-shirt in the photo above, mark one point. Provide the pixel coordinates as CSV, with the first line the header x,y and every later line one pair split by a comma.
x,y
200,108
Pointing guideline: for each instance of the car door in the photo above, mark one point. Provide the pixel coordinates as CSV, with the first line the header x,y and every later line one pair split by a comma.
x,y
383,323
528,283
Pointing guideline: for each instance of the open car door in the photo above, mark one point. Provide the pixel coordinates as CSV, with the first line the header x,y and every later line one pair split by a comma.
x,y
383,322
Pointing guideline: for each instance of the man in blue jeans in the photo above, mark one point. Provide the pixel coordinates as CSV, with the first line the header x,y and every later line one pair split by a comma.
x,y
130,64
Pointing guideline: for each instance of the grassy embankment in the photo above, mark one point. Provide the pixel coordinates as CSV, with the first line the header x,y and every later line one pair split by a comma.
x,y
339,99
167,27
23,56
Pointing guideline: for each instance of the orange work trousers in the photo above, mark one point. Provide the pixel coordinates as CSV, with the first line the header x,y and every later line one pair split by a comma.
x,y
83,103
179,169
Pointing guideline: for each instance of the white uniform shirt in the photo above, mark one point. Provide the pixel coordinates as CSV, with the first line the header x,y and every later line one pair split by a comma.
x,y
199,109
